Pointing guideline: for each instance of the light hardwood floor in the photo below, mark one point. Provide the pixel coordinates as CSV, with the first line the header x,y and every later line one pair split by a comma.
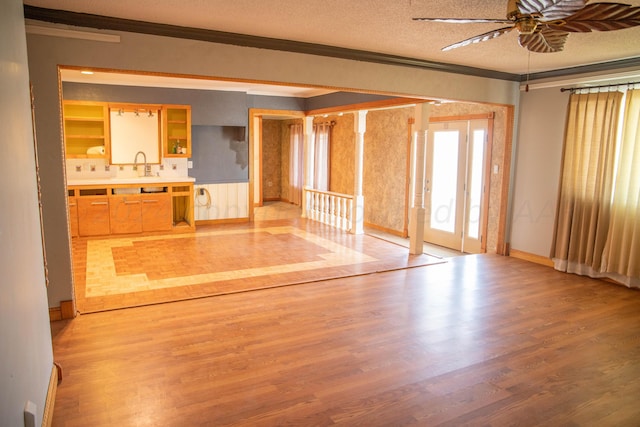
x,y
478,340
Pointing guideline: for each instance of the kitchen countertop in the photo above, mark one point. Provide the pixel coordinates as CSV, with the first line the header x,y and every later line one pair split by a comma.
x,y
142,180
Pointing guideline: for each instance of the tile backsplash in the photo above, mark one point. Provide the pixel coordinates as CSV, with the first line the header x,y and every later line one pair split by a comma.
x,y
101,169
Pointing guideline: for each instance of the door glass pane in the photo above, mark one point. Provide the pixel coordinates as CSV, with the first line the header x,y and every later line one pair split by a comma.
x,y
475,183
444,180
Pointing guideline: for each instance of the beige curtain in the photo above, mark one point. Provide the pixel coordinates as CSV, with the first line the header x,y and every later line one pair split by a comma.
x,y
296,162
322,138
621,256
582,218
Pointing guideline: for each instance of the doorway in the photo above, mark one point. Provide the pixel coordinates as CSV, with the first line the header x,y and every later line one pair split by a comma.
x,y
261,175
456,186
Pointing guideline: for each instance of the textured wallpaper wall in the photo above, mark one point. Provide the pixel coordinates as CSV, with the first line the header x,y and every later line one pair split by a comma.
x,y
342,153
271,159
385,167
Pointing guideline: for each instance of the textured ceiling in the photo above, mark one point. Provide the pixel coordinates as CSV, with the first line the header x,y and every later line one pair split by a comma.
x,y
383,26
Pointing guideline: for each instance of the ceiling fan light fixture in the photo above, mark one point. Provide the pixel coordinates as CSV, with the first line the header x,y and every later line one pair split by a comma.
x,y
543,25
526,25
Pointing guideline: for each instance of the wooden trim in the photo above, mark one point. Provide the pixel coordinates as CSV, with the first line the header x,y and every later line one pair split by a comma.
x,y
372,105
251,195
50,400
272,199
484,215
55,314
464,118
407,181
267,112
501,243
385,229
258,180
67,309
221,221
538,259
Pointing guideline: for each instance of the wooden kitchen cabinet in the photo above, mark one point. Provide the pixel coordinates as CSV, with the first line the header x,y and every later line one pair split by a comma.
x,y
93,215
73,214
96,210
156,212
125,214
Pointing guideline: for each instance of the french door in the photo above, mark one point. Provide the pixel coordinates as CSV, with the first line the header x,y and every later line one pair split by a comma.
x,y
457,172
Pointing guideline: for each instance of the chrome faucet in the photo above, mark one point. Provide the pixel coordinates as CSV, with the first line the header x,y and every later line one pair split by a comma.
x,y
147,167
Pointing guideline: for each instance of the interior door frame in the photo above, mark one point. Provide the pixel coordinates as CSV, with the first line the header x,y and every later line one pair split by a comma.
x,y
486,177
484,215
256,115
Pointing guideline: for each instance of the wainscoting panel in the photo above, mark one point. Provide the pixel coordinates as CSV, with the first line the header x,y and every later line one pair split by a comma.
x,y
221,201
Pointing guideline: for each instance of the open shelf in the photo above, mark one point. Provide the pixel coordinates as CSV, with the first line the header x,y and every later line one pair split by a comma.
x,y
177,130
86,125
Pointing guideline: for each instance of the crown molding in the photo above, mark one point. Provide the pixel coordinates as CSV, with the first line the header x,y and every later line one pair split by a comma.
x,y
116,24
598,68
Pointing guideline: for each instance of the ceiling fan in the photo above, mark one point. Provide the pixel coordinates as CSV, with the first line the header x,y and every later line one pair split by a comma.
x,y
544,25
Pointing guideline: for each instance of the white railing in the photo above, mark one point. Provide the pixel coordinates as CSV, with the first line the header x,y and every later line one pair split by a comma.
x,y
330,208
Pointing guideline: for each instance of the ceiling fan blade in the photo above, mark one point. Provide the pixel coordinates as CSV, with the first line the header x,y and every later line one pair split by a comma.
x,y
550,9
600,17
479,38
544,40
465,20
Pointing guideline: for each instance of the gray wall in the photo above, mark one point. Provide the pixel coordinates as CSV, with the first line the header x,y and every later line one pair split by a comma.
x,y
139,52
220,154
538,158
26,356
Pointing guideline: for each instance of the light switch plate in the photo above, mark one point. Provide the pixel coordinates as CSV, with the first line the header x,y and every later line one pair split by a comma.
x,y
30,410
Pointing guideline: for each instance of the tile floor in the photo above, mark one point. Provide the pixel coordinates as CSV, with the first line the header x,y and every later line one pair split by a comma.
x,y
277,249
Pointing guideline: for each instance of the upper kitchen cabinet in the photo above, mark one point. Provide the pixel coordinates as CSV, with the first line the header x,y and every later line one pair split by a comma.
x,y
86,129
176,130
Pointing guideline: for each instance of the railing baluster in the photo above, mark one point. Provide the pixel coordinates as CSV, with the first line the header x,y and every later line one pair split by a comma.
x,y
327,209
330,208
343,216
